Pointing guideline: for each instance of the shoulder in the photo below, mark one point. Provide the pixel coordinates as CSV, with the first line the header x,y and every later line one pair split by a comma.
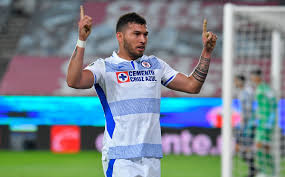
x,y
109,59
102,61
154,59
96,62
261,88
96,66
249,90
151,62
148,58
244,94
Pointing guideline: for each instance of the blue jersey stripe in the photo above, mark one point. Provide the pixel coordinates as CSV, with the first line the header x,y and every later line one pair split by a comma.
x,y
135,151
135,106
109,172
110,123
133,64
123,66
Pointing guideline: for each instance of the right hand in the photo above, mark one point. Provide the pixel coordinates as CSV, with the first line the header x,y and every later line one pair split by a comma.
x,y
84,25
209,38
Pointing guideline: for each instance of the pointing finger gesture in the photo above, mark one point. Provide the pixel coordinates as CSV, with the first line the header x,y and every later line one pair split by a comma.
x,y
81,12
84,25
209,39
205,27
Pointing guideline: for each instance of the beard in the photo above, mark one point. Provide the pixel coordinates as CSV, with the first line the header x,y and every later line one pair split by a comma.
x,y
131,52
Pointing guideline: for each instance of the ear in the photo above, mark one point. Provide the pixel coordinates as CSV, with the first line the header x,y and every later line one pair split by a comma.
x,y
119,36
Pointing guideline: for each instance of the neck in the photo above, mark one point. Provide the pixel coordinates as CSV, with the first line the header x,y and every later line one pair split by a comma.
x,y
123,54
259,81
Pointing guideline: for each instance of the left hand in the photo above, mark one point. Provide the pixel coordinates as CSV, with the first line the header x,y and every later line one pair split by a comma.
x,y
209,39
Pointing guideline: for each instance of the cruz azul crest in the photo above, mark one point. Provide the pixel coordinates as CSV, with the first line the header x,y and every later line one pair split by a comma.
x,y
146,64
123,77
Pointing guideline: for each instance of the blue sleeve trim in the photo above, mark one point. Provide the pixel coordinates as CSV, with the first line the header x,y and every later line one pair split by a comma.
x,y
95,79
168,81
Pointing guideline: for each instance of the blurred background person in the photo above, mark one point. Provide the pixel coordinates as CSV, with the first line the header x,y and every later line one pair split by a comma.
x,y
245,132
266,115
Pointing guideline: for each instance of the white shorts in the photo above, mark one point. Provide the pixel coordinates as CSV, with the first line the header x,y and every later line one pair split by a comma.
x,y
139,167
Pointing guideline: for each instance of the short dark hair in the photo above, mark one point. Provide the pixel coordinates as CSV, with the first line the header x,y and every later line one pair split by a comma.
x,y
129,18
241,78
256,72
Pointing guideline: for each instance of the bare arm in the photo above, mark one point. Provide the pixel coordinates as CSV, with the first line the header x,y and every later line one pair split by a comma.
x,y
194,82
76,76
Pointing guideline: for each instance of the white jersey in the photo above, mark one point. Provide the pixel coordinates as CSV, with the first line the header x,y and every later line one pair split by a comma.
x,y
130,93
246,97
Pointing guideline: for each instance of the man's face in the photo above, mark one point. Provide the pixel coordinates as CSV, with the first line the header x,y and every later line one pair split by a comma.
x,y
238,83
134,39
254,79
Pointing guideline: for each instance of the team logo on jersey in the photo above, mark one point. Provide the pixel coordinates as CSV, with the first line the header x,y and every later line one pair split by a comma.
x,y
146,64
123,77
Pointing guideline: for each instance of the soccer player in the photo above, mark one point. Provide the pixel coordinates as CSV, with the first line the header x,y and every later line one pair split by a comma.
x,y
245,134
266,115
128,84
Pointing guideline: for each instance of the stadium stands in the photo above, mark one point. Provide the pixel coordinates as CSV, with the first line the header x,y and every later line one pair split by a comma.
x,y
5,11
53,34
11,29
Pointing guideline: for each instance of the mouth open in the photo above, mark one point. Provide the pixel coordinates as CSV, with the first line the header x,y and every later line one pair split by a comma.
x,y
141,48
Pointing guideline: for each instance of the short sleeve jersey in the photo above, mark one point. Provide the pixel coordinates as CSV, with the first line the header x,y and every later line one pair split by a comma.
x,y
247,98
266,106
245,133
130,93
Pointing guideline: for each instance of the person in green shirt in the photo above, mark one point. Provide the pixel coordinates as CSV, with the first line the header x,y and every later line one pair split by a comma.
x,y
266,115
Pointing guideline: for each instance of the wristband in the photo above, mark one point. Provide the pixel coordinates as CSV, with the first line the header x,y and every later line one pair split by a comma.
x,y
81,44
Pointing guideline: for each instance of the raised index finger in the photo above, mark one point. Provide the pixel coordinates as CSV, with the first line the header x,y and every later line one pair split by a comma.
x,y
205,26
81,12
